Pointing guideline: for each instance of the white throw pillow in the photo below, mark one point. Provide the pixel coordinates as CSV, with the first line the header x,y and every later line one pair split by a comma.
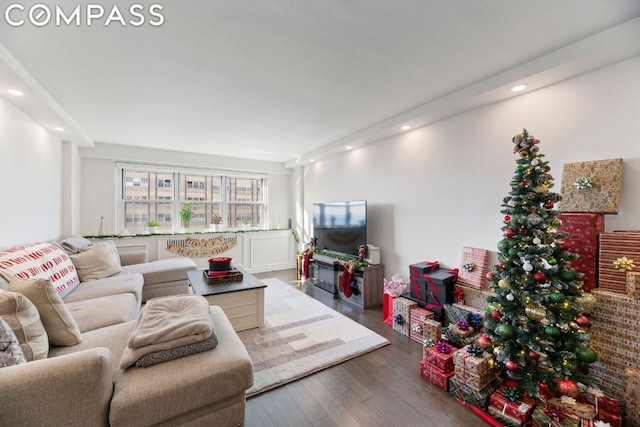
x,y
97,261
10,351
23,318
60,326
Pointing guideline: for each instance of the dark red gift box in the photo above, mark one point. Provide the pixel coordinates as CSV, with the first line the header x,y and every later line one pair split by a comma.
x,y
520,409
437,376
614,419
443,361
583,230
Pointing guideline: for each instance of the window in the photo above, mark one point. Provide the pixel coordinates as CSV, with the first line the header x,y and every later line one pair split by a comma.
x,y
238,199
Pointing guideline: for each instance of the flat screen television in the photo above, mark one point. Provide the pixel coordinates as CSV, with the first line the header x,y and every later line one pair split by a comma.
x,y
340,226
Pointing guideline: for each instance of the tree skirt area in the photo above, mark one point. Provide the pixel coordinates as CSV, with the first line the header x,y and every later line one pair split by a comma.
x,y
301,336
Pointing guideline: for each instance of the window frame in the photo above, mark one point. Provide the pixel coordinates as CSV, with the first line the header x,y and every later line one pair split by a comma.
x,y
177,173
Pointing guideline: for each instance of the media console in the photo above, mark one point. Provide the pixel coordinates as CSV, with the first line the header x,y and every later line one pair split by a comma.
x,y
366,283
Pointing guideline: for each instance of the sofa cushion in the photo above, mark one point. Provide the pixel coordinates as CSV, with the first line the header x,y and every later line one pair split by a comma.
x,y
105,311
40,261
161,271
60,326
10,351
97,261
74,244
23,318
120,284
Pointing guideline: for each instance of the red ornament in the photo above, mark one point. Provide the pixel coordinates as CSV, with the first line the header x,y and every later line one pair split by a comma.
x,y
496,314
511,365
501,265
549,205
525,184
534,355
563,246
568,387
582,320
490,275
509,233
540,277
484,341
523,230
507,218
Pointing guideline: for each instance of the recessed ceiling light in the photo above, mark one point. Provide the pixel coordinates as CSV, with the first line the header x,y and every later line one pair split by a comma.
x,y
312,160
59,129
405,127
518,88
348,147
15,92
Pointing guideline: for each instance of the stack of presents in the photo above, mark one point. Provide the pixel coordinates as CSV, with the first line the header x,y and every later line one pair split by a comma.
x,y
444,310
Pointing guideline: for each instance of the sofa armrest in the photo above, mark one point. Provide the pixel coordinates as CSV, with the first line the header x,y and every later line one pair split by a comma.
x,y
69,390
133,257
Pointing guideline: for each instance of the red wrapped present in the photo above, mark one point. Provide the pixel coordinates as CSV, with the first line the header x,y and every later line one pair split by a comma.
x,y
416,328
583,230
614,245
520,409
473,267
615,419
473,364
602,402
437,376
387,308
504,418
439,358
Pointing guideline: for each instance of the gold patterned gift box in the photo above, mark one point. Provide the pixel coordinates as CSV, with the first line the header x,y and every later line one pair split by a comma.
x,y
632,397
591,187
478,381
401,315
431,331
473,364
633,284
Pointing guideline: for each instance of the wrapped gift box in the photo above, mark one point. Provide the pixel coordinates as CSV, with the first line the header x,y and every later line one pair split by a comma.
x,y
473,364
581,410
520,409
455,330
633,284
418,317
604,193
478,381
475,298
443,361
420,269
583,239
401,315
613,378
433,373
480,260
471,395
432,330
632,412
602,402
614,245
505,419
435,287
632,396
457,340
455,312
540,419
614,419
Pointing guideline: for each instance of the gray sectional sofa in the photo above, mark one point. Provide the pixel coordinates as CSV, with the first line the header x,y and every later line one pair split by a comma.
x,y
82,384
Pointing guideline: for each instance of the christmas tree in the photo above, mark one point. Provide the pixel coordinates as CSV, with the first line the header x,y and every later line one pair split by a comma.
x,y
536,321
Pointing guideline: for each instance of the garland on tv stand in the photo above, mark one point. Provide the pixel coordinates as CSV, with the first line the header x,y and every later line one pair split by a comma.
x,y
355,262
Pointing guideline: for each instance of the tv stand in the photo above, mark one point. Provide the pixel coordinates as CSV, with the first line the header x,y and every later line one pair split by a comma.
x,y
366,283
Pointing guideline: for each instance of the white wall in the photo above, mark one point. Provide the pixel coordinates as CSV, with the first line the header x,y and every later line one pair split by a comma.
x,y
30,179
70,199
99,177
436,189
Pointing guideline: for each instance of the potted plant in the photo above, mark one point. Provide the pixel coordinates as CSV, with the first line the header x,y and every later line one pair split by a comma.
x,y
216,220
245,222
152,226
188,208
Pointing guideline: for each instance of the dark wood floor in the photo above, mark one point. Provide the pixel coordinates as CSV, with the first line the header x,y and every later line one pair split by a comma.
x,y
380,388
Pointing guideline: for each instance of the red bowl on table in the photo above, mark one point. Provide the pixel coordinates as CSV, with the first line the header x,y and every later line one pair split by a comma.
x,y
220,264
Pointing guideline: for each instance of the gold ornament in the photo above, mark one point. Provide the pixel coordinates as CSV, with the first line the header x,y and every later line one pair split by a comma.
x,y
503,284
542,189
587,301
535,312
624,264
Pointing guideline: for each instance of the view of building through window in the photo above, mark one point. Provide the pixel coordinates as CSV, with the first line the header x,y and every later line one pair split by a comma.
x,y
159,196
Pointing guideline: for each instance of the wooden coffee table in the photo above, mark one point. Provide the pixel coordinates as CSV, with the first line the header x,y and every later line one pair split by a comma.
x,y
241,301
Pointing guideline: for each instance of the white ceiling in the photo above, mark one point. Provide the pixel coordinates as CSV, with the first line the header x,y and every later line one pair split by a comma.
x,y
289,80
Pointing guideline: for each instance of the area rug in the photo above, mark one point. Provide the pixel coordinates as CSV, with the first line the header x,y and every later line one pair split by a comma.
x,y
301,336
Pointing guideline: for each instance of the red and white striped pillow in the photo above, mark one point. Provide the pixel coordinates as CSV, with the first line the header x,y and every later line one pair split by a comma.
x,y
40,261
